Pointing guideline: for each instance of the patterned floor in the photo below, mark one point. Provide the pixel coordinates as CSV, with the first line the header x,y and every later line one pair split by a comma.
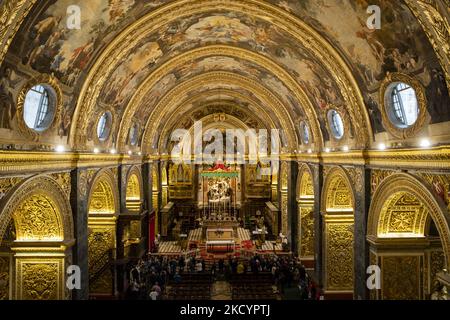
x,y
169,247
244,238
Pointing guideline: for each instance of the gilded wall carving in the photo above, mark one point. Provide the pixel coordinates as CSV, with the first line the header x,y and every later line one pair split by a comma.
x,y
306,228
100,242
4,277
440,183
377,177
181,181
7,184
400,277
356,176
305,188
39,281
86,177
339,195
102,198
37,218
396,186
133,188
339,256
403,213
64,180
284,213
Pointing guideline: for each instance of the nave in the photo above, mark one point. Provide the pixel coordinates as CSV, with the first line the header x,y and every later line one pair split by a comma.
x,y
312,131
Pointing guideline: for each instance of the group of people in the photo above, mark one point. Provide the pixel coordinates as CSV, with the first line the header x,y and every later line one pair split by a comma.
x,y
150,276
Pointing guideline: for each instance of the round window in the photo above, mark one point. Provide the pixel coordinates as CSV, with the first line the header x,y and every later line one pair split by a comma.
x,y
403,107
336,124
134,135
104,126
39,107
304,130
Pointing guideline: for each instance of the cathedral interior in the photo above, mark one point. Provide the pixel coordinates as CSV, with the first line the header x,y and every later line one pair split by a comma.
x,y
225,129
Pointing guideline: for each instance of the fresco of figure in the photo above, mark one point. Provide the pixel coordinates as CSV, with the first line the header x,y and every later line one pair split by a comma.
x,y
7,106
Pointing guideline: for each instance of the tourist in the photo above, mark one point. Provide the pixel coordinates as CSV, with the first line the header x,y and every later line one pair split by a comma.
x,y
199,267
240,268
177,278
153,295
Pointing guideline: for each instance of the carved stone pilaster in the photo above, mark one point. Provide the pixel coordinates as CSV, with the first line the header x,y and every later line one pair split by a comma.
x,y
317,176
79,203
361,180
292,216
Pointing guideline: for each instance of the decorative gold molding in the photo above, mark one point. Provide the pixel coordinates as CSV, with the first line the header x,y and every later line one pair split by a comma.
x,y
436,27
173,98
403,182
337,192
396,131
220,50
104,194
37,186
12,15
169,122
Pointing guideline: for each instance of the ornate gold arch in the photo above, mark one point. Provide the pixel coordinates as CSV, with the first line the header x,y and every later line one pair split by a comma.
x,y
134,189
303,33
415,186
437,28
40,210
305,184
337,193
220,50
103,194
170,122
174,97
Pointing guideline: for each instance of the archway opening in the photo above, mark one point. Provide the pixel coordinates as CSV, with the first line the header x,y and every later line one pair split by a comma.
x,y
35,246
305,207
133,193
407,247
338,233
102,237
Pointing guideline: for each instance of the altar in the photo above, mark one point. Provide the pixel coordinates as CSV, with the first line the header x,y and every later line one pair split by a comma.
x,y
220,240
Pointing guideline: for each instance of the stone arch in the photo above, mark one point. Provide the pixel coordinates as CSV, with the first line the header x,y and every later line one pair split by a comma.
x,y
418,188
39,212
338,232
55,206
103,193
305,205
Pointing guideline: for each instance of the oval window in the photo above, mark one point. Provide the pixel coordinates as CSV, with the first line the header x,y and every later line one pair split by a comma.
x,y
336,124
39,107
134,135
403,108
304,130
104,126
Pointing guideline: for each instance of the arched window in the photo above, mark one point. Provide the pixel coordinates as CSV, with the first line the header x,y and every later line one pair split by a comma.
x,y
336,124
39,107
404,105
104,126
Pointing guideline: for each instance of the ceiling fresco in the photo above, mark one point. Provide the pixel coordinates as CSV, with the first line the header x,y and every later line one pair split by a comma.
x,y
45,45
